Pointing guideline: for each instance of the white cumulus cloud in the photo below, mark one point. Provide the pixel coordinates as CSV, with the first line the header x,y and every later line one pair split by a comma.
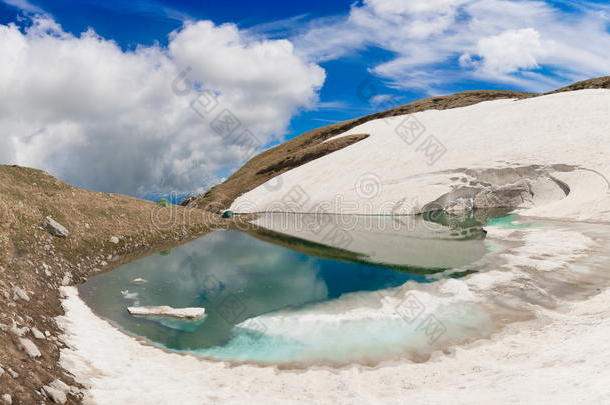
x,y
510,51
114,120
439,42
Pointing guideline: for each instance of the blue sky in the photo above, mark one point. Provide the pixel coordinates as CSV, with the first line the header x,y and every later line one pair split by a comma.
x,y
144,22
318,58
134,23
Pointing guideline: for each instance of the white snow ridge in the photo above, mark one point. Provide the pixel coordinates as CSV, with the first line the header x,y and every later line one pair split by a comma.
x,y
553,145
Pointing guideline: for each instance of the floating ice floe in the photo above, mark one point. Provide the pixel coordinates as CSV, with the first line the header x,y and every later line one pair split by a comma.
x,y
182,313
129,296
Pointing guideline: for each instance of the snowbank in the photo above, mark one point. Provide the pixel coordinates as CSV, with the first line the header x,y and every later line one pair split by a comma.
x,y
566,361
561,356
531,151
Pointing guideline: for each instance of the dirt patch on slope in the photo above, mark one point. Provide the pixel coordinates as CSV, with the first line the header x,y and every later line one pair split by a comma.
x,y
288,155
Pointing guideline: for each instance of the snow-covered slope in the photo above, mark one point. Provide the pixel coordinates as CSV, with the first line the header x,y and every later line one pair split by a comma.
x,y
547,155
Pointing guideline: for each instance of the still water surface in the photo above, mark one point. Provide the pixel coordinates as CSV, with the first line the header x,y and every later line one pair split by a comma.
x,y
286,297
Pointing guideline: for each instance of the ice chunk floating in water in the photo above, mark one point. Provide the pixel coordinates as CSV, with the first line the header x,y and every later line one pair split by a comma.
x,y
166,311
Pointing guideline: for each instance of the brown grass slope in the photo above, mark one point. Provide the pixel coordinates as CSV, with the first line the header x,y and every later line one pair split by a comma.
x,y
38,263
311,145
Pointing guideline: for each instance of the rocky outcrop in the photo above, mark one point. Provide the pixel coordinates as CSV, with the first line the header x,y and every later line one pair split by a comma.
x,y
520,187
55,228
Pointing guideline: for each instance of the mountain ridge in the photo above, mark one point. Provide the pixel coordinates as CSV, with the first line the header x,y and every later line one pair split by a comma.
x,y
312,144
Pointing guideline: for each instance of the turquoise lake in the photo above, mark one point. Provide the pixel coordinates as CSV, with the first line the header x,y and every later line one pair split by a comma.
x,y
285,297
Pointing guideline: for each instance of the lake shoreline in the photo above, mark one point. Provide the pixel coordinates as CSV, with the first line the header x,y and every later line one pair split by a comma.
x,y
488,369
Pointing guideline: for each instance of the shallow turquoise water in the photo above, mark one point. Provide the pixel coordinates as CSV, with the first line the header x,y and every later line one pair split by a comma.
x,y
508,222
268,303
